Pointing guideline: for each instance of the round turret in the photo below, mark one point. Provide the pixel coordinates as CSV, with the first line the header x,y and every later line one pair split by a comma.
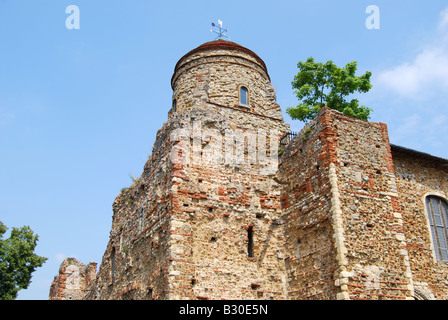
x,y
226,74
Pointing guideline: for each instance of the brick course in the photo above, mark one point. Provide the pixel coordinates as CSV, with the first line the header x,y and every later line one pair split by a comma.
x,y
342,216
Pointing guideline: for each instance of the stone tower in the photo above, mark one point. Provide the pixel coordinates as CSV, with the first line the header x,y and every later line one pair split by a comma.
x,y
201,221
221,211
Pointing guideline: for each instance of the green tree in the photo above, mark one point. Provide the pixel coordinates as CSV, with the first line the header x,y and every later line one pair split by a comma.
x,y
17,260
318,84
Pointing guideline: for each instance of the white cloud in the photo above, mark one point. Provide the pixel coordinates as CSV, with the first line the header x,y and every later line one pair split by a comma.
x,y
443,19
422,132
426,73
428,70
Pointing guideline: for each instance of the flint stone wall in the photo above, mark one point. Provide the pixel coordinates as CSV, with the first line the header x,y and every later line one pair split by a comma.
x,y
73,281
340,216
418,176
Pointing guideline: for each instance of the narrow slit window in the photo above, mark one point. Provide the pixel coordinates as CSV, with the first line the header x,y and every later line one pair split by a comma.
x,y
438,220
244,96
174,105
250,242
112,265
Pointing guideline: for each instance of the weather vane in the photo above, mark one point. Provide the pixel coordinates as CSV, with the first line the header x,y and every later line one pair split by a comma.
x,y
221,31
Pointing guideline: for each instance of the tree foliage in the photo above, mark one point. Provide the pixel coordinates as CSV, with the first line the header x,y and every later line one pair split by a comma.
x,y
17,260
318,84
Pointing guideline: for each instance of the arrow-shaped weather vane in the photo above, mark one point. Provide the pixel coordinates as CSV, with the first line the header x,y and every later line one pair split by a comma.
x,y
221,31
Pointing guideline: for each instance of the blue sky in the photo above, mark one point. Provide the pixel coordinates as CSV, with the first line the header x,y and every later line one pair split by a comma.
x,y
79,109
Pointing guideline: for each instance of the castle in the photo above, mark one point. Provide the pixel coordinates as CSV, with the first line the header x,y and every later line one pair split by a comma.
x,y
231,205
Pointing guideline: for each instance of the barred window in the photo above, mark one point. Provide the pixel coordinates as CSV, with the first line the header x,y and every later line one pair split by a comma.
x,y
438,220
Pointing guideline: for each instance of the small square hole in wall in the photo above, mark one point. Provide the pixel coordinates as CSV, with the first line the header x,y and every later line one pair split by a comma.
x,y
254,286
210,210
200,180
185,204
149,294
212,239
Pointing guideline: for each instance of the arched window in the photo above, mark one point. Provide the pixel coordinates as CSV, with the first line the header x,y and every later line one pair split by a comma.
x,y
174,105
244,96
437,210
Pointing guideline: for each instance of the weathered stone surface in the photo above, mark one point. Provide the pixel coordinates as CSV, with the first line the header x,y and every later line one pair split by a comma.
x,y
341,215
417,176
181,231
73,281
